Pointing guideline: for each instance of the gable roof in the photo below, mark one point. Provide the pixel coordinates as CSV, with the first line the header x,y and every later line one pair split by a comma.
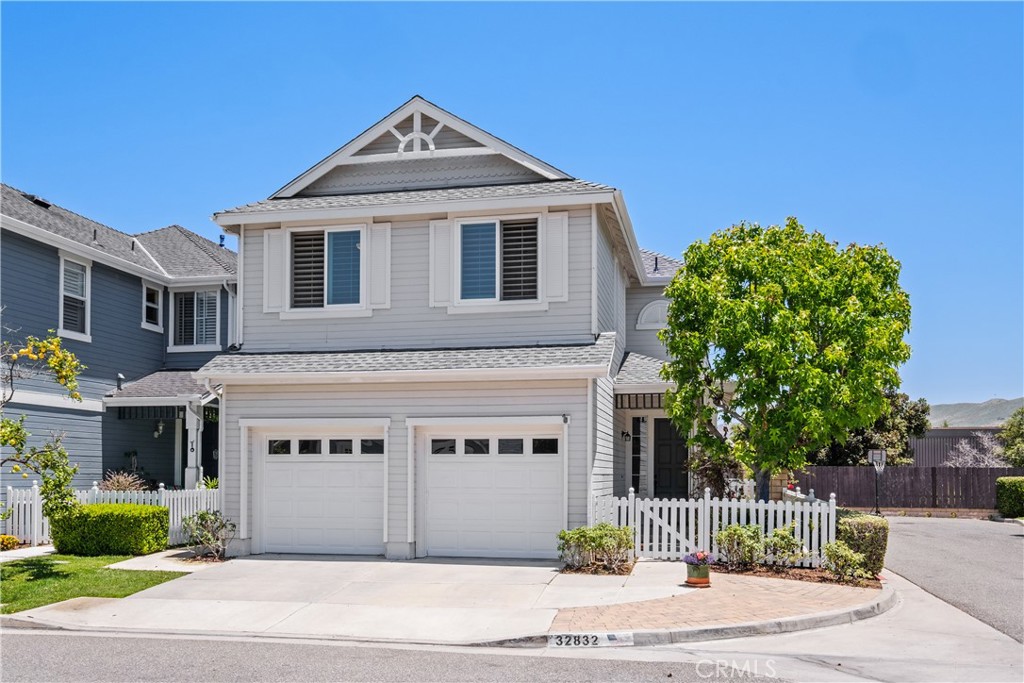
x,y
416,124
168,253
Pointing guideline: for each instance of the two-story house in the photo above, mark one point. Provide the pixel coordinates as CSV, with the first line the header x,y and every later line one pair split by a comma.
x,y
142,312
446,347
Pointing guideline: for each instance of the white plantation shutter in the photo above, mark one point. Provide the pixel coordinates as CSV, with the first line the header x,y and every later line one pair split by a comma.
x,y
519,260
379,265
441,264
556,256
274,286
307,289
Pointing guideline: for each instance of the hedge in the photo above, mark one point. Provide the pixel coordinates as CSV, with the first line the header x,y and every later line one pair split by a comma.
x,y
111,529
1010,496
865,534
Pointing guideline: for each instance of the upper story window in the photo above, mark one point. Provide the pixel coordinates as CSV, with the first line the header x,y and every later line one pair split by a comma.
x,y
152,305
75,309
195,321
498,260
327,268
653,316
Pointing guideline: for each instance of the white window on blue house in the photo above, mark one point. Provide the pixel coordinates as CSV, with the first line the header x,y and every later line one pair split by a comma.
x,y
327,268
498,261
75,283
195,320
152,307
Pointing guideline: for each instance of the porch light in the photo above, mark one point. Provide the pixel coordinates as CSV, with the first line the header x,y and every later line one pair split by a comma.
x,y
626,436
159,429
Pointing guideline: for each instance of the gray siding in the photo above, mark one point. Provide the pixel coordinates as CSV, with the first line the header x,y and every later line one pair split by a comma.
x,y
410,322
82,439
399,401
603,473
642,341
417,174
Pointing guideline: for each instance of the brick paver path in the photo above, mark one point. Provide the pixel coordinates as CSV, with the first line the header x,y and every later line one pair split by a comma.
x,y
731,599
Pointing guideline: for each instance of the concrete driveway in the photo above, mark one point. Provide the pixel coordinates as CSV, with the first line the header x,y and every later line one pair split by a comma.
x,y
428,600
973,564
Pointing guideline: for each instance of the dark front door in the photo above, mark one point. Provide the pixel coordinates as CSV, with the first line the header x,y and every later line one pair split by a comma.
x,y
670,454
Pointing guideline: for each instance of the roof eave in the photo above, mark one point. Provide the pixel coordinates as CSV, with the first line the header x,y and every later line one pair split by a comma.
x,y
392,376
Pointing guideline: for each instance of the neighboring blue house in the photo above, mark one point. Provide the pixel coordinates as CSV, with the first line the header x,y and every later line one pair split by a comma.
x,y
142,312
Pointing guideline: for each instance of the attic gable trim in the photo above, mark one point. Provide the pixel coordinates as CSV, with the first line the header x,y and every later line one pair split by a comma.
x,y
386,124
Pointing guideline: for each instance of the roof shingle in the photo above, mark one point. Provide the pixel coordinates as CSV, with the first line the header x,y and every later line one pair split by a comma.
x,y
640,369
659,265
161,384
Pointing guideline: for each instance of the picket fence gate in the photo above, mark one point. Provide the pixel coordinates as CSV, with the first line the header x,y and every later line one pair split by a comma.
x,y
28,523
667,529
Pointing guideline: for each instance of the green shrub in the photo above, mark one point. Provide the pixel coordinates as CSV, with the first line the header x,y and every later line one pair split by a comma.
x,y
1010,496
740,545
211,482
8,542
602,544
111,529
845,563
867,535
208,533
782,549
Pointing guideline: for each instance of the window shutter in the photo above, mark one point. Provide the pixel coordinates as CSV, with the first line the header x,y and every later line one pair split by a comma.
x,y
308,270
441,266
519,260
273,271
556,256
379,265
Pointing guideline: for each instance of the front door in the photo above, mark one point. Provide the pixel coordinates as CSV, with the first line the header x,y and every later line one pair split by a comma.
x,y
670,456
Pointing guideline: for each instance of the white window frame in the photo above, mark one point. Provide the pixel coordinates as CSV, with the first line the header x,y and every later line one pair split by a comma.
x,y
188,348
356,438
360,309
72,334
461,305
159,327
642,325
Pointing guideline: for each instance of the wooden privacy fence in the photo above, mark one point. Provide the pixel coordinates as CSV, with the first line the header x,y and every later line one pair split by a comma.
x,y
28,523
910,487
667,529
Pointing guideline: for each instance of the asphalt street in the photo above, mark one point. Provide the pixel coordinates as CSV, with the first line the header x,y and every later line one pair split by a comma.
x,y
975,565
35,656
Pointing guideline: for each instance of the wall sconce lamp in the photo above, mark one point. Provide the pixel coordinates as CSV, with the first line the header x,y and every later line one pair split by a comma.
x,y
626,436
159,429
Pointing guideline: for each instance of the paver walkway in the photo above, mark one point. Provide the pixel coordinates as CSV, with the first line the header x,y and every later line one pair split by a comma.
x,y
732,599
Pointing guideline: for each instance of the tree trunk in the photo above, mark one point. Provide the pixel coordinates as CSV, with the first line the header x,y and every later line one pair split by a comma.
x,y
762,484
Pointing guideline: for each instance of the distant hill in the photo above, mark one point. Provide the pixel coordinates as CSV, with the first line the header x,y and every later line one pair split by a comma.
x,y
991,413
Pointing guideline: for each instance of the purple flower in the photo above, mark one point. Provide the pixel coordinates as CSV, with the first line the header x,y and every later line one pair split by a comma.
x,y
699,558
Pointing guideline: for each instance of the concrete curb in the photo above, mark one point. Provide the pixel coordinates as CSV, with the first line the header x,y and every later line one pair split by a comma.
x,y
886,599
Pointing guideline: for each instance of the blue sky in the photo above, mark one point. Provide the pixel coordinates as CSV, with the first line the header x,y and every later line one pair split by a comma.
x,y
875,123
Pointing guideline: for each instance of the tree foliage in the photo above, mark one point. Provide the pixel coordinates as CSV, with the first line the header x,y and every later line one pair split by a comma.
x,y
1012,437
49,461
780,342
892,431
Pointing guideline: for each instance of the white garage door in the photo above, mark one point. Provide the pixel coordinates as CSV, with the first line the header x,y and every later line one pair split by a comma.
x,y
324,495
493,495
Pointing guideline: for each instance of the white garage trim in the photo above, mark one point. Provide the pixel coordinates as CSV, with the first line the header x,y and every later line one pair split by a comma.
x,y
309,426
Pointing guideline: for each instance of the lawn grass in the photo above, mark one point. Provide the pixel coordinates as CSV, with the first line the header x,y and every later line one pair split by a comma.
x,y
36,581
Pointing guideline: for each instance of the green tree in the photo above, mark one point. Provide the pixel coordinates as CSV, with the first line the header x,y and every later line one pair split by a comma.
x,y
892,431
49,461
779,342
1012,437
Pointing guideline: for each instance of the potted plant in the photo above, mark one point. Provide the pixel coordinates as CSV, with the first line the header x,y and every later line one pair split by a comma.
x,y
698,568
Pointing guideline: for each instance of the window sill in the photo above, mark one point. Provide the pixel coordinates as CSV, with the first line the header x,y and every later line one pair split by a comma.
x,y
194,348
498,307
315,313
77,336
152,328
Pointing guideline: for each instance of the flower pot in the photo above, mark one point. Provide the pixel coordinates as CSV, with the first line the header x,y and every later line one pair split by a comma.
x,y
698,575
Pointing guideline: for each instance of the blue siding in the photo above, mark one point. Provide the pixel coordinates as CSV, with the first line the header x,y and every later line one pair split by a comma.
x,y
82,439
153,455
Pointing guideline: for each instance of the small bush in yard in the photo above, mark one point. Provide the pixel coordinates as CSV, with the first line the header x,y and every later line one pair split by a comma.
x,y
844,563
208,533
1010,496
122,481
782,549
603,544
111,529
740,545
8,542
865,534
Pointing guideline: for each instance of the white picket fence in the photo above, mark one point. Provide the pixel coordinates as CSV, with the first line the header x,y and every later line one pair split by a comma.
x,y
28,523
667,529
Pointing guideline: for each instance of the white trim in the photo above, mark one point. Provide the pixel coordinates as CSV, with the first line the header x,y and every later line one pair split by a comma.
x,y
651,305
462,422
494,306
273,217
243,483
85,336
460,305
128,401
187,348
159,327
240,303
316,423
656,388
177,452
410,493
44,400
173,348
423,154
222,449
447,375
360,309
592,452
